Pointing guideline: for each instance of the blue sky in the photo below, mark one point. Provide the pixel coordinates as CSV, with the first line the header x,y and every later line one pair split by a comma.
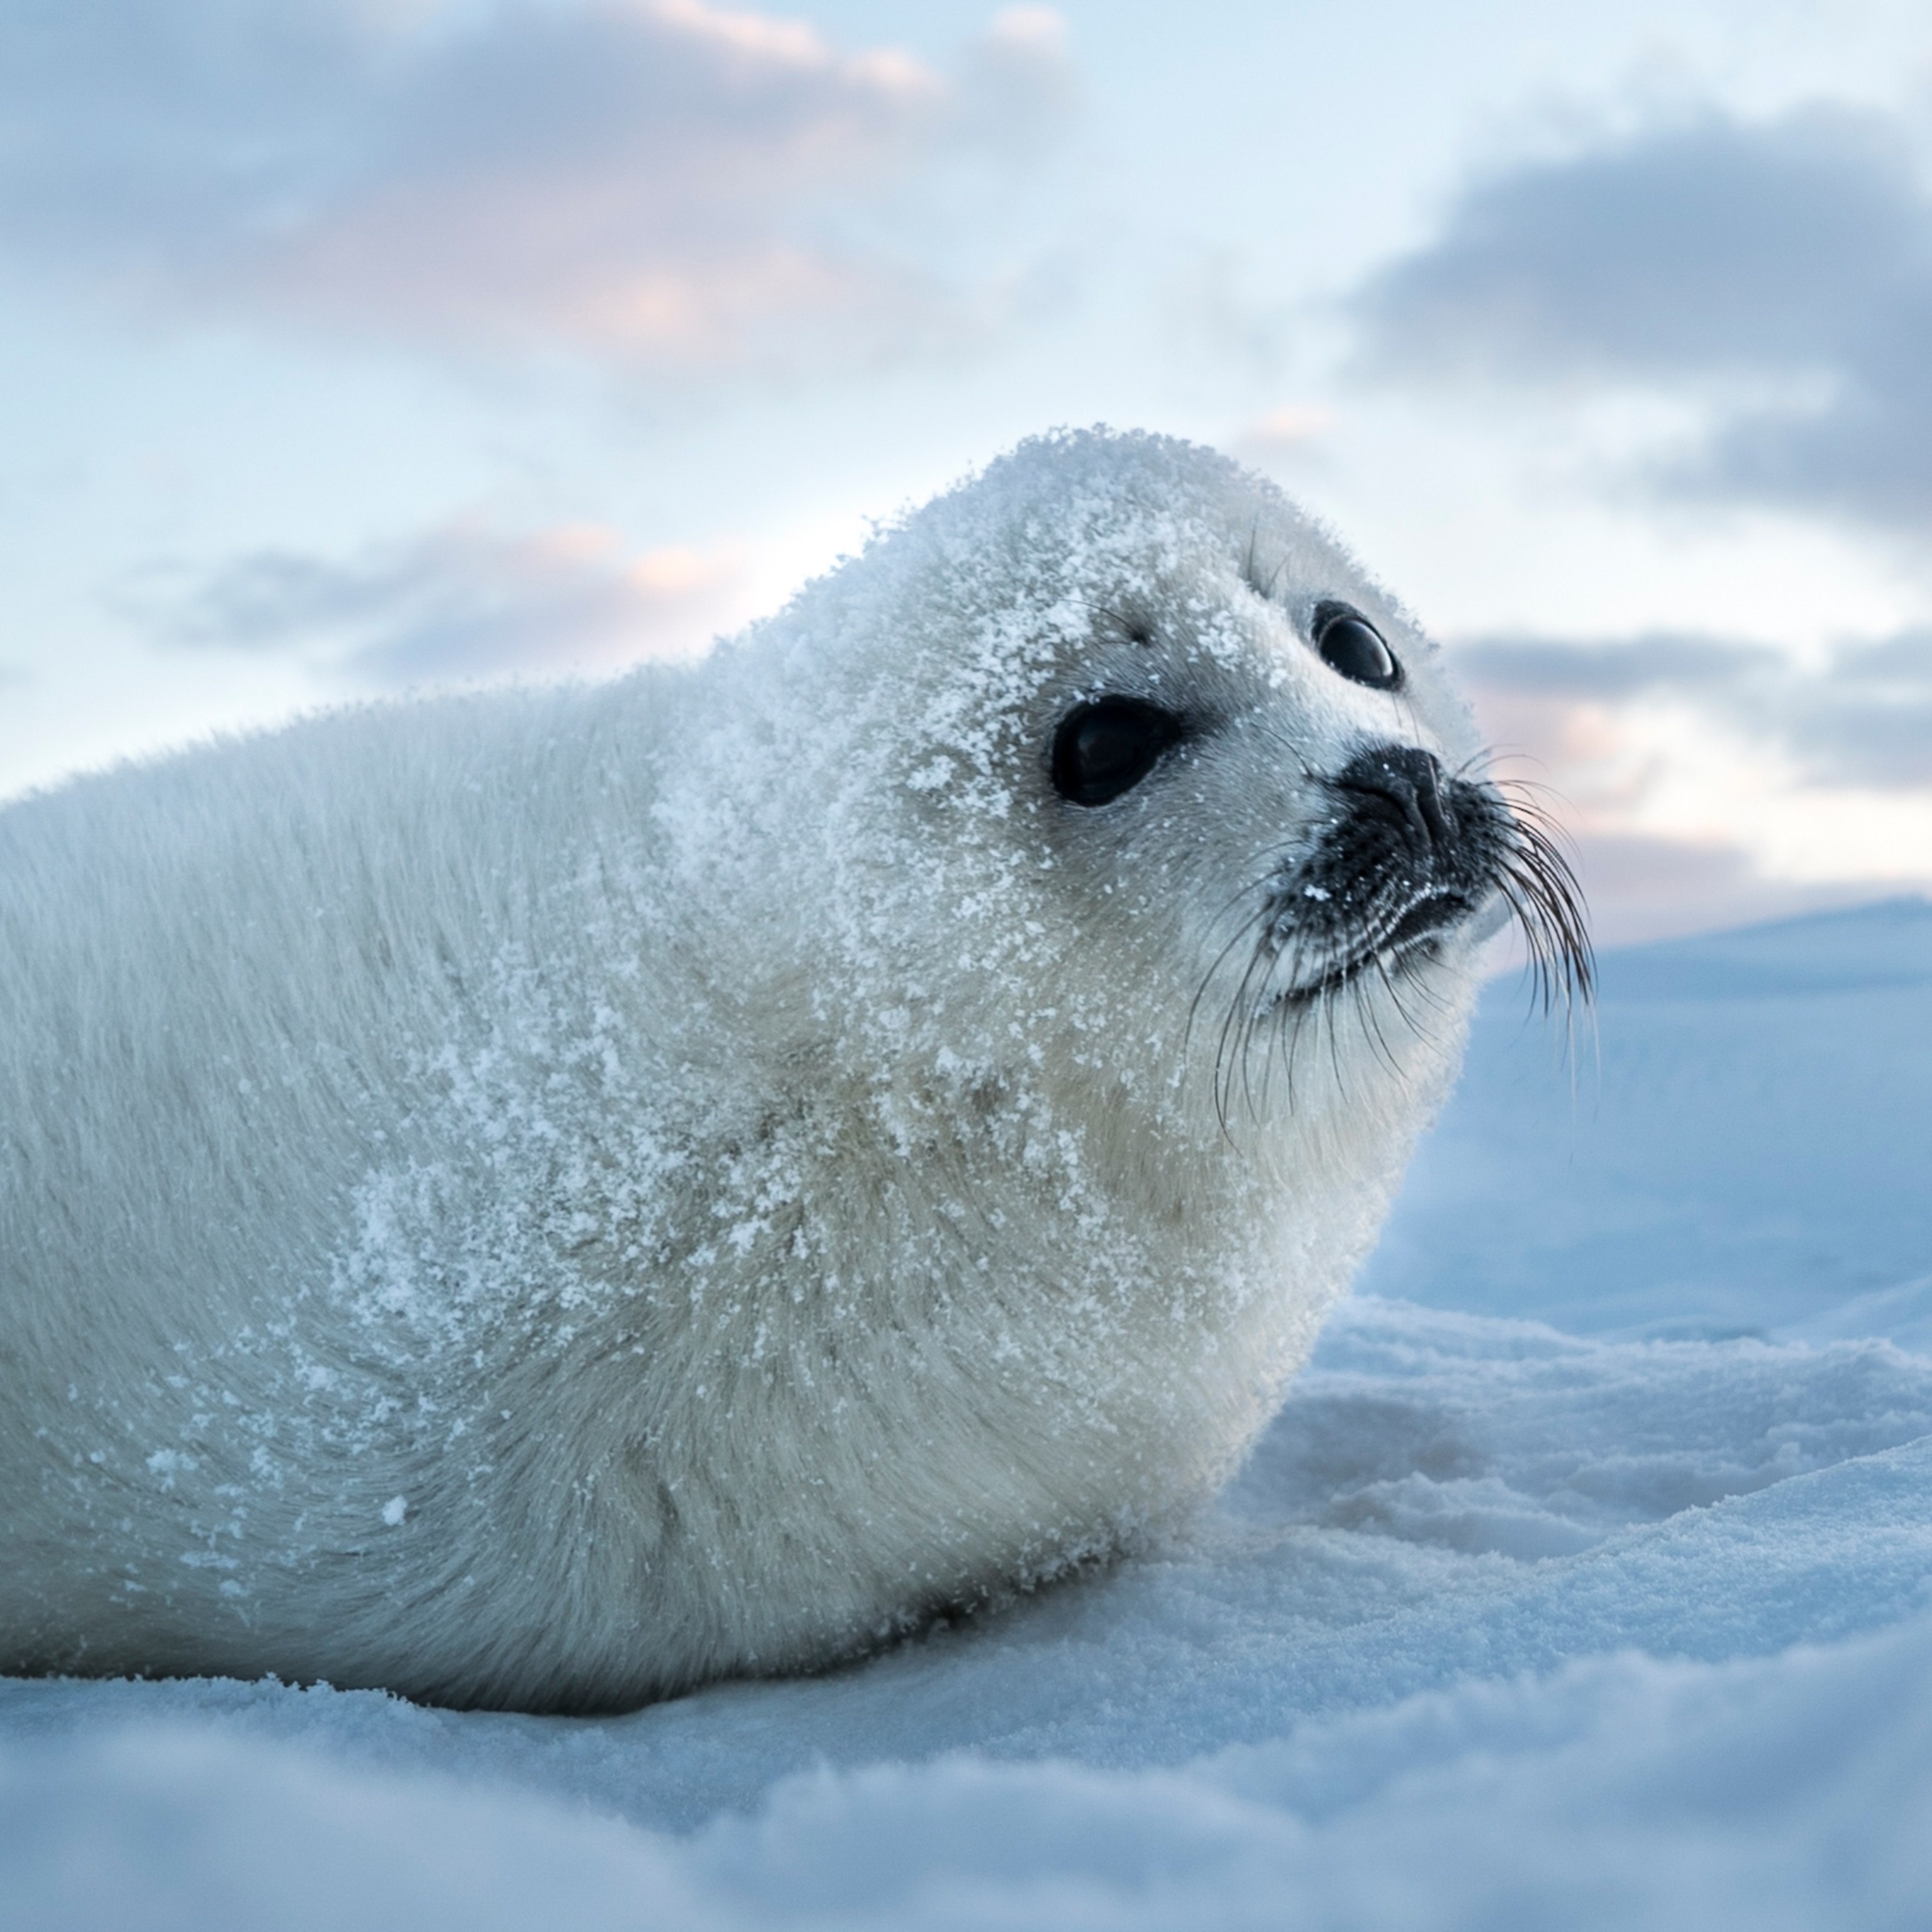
x,y
360,345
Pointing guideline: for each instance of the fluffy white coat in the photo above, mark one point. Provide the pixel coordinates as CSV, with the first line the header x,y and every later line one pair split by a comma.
x,y
543,1198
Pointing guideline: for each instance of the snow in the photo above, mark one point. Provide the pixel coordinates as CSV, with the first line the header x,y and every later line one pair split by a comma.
x,y
1743,1152
1584,1580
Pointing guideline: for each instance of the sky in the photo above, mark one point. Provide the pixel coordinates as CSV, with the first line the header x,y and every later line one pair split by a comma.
x,y
356,347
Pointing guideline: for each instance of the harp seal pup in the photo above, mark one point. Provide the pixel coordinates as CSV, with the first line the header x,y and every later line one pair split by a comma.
x,y
540,1198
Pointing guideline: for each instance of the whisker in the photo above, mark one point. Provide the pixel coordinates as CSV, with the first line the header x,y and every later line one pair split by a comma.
x,y
1308,980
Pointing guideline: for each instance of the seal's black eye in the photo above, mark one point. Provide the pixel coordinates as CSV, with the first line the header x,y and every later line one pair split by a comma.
x,y
1349,643
1105,747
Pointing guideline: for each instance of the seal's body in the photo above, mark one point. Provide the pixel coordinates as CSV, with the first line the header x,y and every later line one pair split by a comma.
x,y
541,1198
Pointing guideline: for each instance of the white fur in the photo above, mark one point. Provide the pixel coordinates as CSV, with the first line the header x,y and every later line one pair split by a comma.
x,y
544,1198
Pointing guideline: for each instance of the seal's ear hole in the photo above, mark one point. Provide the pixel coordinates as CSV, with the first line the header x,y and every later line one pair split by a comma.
x,y
1105,747
1350,644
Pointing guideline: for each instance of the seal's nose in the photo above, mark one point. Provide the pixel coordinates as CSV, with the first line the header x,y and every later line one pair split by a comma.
x,y
1403,784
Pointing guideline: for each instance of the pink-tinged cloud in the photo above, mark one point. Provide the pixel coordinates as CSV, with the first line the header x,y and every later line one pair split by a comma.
x,y
463,602
1609,727
1862,719
665,181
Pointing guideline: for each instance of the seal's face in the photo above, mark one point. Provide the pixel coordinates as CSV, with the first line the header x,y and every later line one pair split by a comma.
x,y
1261,762
1407,855
1153,777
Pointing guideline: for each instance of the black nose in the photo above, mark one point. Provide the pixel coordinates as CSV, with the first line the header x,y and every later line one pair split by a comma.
x,y
1404,785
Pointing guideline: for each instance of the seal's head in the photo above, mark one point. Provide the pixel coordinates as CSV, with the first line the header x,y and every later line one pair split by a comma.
x,y
1125,769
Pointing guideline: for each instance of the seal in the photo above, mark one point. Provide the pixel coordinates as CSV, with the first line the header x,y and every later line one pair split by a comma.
x,y
540,1198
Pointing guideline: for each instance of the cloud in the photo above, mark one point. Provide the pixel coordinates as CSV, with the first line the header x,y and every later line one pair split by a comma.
x,y
1708,781
1288,431
1781,271
1659,661
663,181
1639,886
1862,720
1870,720
464,601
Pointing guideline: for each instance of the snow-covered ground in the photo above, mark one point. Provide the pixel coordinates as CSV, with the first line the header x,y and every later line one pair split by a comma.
x,y
1586,1579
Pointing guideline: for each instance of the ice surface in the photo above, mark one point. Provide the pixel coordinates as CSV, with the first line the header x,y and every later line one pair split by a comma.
x,y
1745,1151
1620,1621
